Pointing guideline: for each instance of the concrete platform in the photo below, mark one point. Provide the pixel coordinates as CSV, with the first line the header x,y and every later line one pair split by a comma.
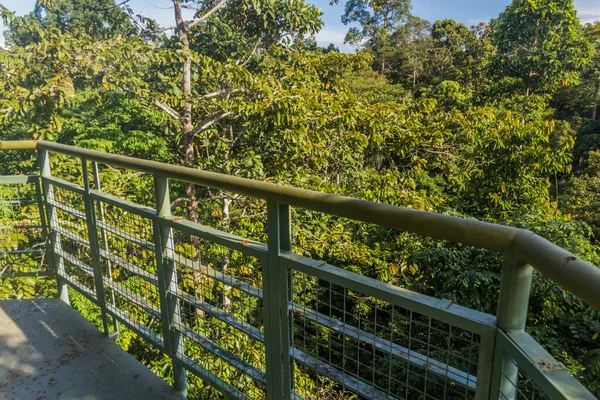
x,y
48,351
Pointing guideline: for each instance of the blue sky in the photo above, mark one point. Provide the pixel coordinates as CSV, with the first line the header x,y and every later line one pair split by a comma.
x,y
469,12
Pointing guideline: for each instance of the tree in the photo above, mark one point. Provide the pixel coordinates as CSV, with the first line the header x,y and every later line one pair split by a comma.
x,y
378,20
581,101
411,44
251,95
539,45
98,19
459,53
580,196
591,75
197,112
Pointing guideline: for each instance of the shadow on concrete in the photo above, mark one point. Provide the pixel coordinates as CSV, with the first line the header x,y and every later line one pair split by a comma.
x,y
49,351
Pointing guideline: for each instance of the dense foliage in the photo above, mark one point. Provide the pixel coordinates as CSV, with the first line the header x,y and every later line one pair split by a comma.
x,y
496,122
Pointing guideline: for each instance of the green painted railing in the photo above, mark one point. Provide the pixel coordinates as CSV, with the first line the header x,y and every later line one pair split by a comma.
x,y
302,328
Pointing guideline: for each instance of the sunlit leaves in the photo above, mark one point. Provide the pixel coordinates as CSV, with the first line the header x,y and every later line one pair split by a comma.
x,y
539,44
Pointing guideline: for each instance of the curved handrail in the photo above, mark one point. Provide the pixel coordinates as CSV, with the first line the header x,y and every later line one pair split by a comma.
x,y
570,272
18,144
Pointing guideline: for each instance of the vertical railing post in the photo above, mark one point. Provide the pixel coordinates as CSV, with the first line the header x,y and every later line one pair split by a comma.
x,y
285,284
167,283
39,194
275,285
90,219
105,246
515,286
55,260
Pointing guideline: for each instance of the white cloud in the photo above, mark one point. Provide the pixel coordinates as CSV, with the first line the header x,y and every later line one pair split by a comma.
x,y
588,10
329,35
475,21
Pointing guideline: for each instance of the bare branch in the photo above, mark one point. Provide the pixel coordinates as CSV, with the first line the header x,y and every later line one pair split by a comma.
x,y
214,94
226,92
208,14
168,110
208,122
111,7
251,54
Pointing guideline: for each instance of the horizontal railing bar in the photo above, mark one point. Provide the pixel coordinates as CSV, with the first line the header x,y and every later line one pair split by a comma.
x,y
124,292
4,275
71,235
75,261
18,144
84,291
140,272
471,232
530,357
223,354
127,236
413,357
69,210
132,207
208,377
20,202
570,272
15,227
447,312
63,184
137,327
30,251
221,315
577,276
217,275
18,179
248,247
348,381
130,267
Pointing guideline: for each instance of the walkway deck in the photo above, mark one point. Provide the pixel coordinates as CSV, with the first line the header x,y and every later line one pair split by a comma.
x,y
48,351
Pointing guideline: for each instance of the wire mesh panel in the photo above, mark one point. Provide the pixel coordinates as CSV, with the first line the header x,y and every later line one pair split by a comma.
x,y
127,257
68,224
347,343
219,291
520,386
524,370
22,239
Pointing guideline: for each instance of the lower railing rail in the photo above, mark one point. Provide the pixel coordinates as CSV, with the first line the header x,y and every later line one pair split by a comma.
x,y
279,325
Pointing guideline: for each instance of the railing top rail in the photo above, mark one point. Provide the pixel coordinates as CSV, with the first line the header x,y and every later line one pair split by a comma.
x,y
572,273
18,144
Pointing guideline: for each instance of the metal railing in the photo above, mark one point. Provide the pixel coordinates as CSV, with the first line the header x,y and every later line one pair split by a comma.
x,y
279,325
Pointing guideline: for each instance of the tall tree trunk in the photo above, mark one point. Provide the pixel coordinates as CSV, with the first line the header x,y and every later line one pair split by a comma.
x,y
414,78
227,257
225,220
188,142
596,92
385,24
186,116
